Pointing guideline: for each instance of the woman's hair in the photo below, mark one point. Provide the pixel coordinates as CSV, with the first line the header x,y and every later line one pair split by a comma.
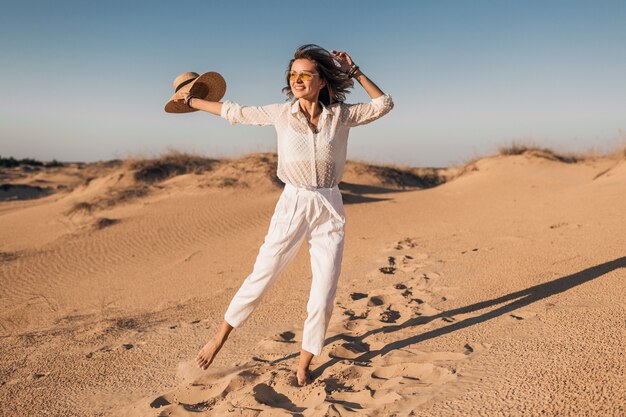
x,y
337,82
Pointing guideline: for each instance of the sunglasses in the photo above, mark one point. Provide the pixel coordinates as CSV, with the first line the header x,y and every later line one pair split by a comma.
x,y
304,76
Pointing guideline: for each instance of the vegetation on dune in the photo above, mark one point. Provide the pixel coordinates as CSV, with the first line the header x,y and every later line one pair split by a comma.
x,y
403,176
519,148
11,162
148,172
168,165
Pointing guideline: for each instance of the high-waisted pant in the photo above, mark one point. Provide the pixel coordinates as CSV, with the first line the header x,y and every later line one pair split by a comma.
x,y
314,214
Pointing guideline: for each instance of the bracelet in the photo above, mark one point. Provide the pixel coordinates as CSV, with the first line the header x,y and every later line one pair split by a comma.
x,y
188,99
353,70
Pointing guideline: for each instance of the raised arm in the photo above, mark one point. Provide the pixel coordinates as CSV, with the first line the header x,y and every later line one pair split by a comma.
x,y
362,113
214,107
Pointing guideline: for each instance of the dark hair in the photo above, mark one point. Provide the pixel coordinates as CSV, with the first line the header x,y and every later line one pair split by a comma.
x,y
337,82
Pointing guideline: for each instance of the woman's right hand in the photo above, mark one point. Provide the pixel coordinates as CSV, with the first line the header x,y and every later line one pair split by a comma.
x,y
214,107
181,96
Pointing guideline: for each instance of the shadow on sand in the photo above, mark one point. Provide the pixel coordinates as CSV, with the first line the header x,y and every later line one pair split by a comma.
x,y
354,193
515,301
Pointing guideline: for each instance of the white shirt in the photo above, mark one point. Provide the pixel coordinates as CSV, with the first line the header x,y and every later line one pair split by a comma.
x,y
306,158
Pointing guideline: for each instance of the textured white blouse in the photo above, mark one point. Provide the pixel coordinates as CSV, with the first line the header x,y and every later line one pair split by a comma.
x,y
305,158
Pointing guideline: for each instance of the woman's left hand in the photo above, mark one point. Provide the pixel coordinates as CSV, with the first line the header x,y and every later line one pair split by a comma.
x,y
344,60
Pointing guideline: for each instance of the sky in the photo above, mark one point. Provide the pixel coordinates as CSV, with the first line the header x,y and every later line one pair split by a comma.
x,y
87,81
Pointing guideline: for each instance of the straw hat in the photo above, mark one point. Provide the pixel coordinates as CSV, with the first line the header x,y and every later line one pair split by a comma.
x,y
208,86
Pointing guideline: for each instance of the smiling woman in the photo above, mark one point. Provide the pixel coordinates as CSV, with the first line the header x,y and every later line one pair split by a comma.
x,y
312,134
323,64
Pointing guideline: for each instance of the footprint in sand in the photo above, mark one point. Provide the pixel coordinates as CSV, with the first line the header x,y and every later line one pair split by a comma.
x,y
469,250
287,337
107,348
376,301
405,243
159,402
277,346
389,315
357,296
519,315
406,292
376,384
267,395
356,316
389,270
410,259
203,391
476,348
349,350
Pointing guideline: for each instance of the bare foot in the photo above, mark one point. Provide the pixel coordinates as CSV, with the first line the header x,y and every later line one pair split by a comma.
x,y
303,377
207,353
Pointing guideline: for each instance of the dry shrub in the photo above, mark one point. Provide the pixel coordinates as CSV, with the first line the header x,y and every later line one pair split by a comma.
x,y
469,166
110,200
103,222
519,148
228,182
123,195
403,176
259,163
8,256
399,177
81,207
170,164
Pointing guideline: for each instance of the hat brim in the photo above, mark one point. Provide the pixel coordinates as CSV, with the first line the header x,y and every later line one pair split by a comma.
x,y
209,86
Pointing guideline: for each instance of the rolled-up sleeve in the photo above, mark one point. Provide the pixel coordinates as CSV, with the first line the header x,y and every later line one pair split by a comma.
x,y
363,113
249,115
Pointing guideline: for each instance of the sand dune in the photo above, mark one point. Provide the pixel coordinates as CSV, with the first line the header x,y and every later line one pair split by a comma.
x,y
496,288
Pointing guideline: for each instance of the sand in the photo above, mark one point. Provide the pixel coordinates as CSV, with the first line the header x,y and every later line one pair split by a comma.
x,y
500,291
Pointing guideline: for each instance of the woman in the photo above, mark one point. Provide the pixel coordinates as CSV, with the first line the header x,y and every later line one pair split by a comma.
x,y
312,139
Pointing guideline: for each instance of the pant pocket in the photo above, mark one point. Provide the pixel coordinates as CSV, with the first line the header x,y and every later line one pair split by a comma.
x,y
334,203
283,214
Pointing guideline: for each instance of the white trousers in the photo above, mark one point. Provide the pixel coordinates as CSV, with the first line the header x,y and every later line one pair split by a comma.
x,y
318,216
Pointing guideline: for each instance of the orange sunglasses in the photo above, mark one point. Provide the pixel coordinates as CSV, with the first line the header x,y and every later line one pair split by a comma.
x,y
304,76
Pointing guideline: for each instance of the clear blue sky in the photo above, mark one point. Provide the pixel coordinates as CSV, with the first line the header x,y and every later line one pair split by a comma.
x,y
86,81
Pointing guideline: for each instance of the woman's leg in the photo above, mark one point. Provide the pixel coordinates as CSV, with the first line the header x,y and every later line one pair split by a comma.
x,y
285,235
207,353
326,243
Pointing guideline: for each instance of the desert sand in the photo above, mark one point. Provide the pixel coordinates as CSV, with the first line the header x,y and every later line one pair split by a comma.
x,y
492,289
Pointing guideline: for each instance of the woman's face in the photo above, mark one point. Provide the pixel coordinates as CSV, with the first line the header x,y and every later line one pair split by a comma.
x,y
306,89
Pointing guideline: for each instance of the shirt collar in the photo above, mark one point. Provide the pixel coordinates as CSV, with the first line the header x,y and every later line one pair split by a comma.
x,y
295,107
